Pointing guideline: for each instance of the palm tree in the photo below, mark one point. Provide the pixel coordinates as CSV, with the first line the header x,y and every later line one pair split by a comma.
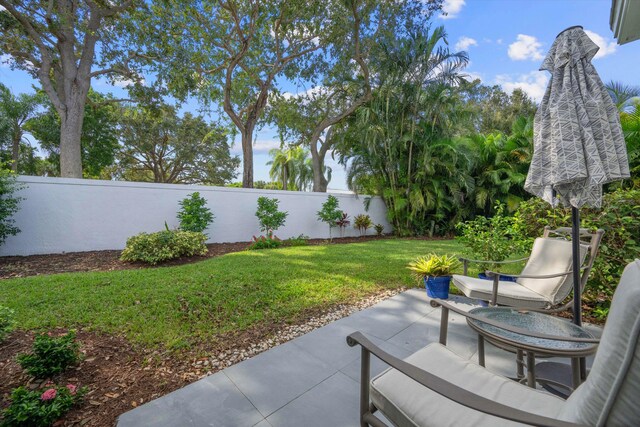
x,y
279,166
630,122
497,171
623,95
401,145
15,111
292,166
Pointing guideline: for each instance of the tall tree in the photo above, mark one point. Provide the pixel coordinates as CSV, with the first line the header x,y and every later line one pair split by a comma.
x,y
401,145
232,52
159,146
292,167
57,41
341,76
15,112
98,140
493,109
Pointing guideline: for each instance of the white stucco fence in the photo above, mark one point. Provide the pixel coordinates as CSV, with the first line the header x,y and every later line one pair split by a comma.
x,y
74,215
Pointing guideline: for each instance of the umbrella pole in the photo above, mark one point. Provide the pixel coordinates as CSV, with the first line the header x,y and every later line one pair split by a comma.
x,y
577,294
575,240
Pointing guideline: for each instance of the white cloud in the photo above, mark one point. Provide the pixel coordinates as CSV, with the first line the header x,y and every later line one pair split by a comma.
x,y
606,47
4,60
471,75
265,144
307,93
533,83
526,47
124,83
499,41
465,43
451,8
2,8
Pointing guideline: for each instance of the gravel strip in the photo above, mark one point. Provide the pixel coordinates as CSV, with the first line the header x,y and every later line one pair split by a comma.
x,y
216,362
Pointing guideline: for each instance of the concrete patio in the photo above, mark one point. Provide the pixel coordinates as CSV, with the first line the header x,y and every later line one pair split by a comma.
x,y
313,379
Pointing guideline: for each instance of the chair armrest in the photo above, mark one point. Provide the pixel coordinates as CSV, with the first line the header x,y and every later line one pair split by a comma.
x,y
481,261
454,392
465,262
491,273
514,329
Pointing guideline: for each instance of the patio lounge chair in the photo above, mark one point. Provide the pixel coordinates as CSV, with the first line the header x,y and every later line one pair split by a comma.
x,y
545,281
436,387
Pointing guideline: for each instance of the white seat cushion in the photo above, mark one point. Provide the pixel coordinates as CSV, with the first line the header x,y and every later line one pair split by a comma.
x,y
509,293
409,404
550,256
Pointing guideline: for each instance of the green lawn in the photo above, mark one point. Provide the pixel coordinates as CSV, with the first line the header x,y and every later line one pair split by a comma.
x,y
179,306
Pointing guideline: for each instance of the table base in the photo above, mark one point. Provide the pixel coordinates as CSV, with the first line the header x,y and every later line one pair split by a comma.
x,y
556,378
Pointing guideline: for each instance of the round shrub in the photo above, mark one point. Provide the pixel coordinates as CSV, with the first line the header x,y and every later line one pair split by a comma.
x,y
40,407
51,355
154,248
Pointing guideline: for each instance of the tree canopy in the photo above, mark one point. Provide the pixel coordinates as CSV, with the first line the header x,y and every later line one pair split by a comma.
x,y
64,45
160,146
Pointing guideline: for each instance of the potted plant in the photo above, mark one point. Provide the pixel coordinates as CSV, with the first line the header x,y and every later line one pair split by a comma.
x,y
435,271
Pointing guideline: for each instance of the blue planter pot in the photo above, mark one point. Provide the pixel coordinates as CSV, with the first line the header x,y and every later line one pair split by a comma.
x,y
503,278
437,287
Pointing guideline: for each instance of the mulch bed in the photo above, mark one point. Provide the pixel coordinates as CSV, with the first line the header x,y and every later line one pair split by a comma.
x,y
121,377
33,265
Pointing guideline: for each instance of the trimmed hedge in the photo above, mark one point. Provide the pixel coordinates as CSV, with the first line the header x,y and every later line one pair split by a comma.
x,y
154,248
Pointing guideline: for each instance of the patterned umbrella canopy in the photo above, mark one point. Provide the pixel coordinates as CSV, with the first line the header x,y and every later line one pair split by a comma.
x,y
578,142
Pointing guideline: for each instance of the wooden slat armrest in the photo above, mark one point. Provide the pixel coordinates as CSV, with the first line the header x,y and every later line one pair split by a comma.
x,y
514,329
454,392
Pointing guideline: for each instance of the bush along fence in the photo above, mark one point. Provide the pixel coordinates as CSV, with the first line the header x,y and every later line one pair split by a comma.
x,y
71,215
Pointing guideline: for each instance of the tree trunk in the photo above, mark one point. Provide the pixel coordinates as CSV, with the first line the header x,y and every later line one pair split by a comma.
x,y
319,181
70,133
317,164
15,152
284,177
247,157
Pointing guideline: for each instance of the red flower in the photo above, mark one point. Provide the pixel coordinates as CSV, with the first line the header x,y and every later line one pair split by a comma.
x,y
72,389
50,394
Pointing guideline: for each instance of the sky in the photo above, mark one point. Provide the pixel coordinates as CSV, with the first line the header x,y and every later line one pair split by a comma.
x,y
506,41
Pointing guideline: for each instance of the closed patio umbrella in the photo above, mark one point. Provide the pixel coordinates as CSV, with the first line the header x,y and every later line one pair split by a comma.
x,y
578,143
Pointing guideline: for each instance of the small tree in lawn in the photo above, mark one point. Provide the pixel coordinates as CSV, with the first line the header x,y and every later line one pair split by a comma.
x,y
269,216
330,213
194,214
9,203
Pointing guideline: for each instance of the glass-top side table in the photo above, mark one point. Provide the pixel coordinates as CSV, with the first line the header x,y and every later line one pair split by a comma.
x,y
521,344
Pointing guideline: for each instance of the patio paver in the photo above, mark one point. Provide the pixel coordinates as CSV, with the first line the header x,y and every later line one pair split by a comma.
x,y
313,379
212,401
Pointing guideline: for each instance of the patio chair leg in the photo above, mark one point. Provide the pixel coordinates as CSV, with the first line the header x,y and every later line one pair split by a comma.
x,y
531,369
481,350
519,364
364,386
444,325
494,293
575,372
